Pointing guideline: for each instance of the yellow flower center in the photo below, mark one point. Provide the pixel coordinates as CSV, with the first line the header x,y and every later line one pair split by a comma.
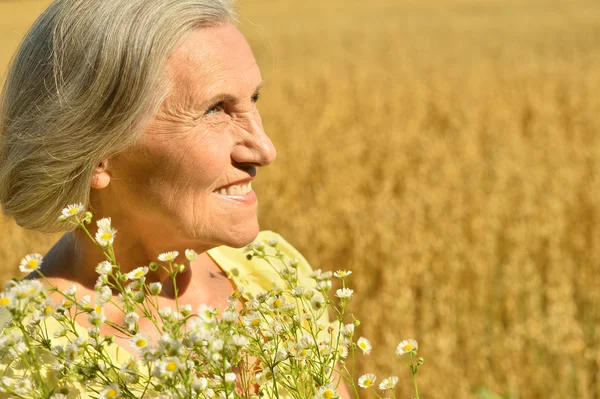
x,y
48,310
407,347
4,301
98,309
68,304
106,236
139,273
140,343
368,382
236,294
362,345
255,323
32,264
73,211
277,303
328,394
111,394
171,366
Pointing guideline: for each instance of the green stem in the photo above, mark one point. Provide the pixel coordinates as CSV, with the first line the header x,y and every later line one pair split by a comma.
x,y
416,389
413,369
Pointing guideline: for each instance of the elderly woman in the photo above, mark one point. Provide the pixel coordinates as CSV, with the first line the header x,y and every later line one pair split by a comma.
x,y
144,111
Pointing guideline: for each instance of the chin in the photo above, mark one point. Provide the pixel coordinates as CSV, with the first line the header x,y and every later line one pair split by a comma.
x,y
241,237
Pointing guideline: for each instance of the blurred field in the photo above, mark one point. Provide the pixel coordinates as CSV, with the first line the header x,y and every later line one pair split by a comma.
x,y
448,153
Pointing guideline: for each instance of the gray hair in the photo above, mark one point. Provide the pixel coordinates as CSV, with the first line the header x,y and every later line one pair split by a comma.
x,y
87,78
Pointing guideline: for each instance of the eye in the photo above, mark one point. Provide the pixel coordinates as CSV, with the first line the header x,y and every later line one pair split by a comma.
x,y
255,97
218,107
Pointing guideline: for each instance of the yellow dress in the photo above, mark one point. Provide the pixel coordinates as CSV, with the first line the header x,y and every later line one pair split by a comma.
x,y
250,276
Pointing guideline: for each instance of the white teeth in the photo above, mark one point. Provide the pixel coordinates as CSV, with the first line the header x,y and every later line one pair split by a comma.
x,y
236,190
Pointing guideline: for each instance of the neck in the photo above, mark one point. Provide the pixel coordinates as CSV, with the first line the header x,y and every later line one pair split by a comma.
x,y
76,256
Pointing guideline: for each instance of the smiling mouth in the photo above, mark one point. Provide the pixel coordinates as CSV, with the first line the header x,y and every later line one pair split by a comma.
x,y
236,190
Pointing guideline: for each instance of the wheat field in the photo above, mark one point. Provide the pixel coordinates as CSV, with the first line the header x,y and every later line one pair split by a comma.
x,y
447,152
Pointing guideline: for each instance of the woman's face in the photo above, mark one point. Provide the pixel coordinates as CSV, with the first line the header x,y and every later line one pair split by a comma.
x,y
187,179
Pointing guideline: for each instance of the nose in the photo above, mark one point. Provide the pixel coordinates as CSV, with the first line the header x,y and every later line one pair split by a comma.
x,y
254,146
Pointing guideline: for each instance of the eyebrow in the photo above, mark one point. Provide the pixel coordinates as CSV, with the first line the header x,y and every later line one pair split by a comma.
x,y
217,98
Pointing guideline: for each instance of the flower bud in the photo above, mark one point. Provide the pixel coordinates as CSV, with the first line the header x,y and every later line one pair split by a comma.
x,y
138,297
155,288
185,310
420,361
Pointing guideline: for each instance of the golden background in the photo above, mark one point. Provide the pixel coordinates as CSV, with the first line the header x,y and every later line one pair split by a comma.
x,y
448,153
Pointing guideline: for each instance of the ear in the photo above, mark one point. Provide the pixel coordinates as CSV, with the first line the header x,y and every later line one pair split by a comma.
x,y
101,176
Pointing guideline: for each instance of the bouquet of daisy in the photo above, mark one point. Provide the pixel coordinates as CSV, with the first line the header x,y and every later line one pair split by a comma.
x,y
278,344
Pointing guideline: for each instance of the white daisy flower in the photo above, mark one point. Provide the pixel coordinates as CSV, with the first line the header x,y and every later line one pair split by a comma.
x,y
364,345
105,234
139,342
366,380
342,351
235,296
388,383
168,256
252,320
30,263
324,285
110,392
104,268
199,384
97,317
72,290
165,312
275,303
7,299
131,321
104,224
103,295
71,210
342,273
100,281
46,310
327,392
207,313
298,291
191,255
348,330
344,293
239,341
229,316
406,346
85,301
324,276
137,273
229,377
169,366
317,302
